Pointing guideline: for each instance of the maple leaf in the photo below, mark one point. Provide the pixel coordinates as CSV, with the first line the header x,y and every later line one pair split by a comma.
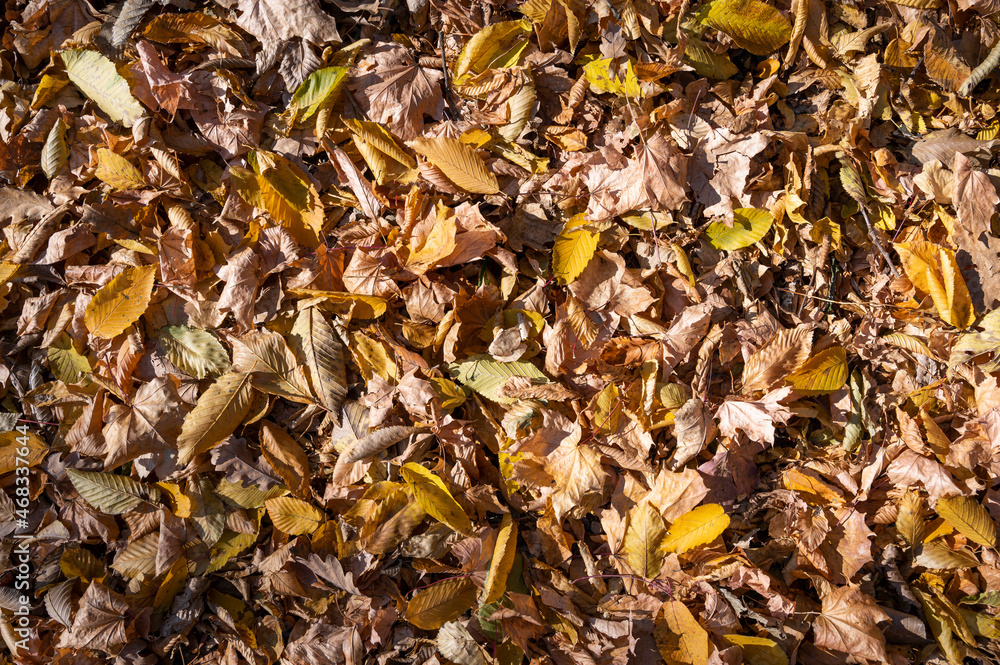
x,y
848,621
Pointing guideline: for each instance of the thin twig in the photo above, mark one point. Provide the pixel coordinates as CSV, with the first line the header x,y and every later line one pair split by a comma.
x,y
878,245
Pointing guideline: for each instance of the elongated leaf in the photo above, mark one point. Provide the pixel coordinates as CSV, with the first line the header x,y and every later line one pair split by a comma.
x,y
459,163
754,25
503,560
139,557
197,352
381,139
574,247
294,516
440,603
749,226
318,90
488,377
434,497
375,442
55,151
110,493
120,302
97,78
933,270
969,518
824,373
697,527
644,541
219,411
280,187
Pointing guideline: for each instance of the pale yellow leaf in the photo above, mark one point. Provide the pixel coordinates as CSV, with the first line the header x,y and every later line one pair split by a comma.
x,y
294,516
459,163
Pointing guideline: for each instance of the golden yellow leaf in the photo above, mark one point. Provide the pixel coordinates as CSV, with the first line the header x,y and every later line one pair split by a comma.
x,y
119,303
824,373
496,45
696,527
503,560
574,247
934,271
759,650
434,497
459,163
644,541
440,603
969,518
754,25
294,516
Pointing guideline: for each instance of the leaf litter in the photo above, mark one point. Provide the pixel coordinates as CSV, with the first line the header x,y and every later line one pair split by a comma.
x,y
447,332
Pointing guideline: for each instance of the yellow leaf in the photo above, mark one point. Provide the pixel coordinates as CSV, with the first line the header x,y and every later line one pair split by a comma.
x,y
759,650
754,25
969,518
219,411
434,497
599,75
97,78
574,247
440,603
749,226
696,527
437,246
117,171
381,139
281,188
120,302
459,163
496,45
934,271
679,636
20,449
824,373
644,541
293,516
503,560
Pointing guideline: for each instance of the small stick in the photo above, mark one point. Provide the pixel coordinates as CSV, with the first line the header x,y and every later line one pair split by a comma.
x,y
981,72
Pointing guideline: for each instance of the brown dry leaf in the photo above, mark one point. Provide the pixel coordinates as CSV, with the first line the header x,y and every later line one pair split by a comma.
x,y
848,621
781,355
